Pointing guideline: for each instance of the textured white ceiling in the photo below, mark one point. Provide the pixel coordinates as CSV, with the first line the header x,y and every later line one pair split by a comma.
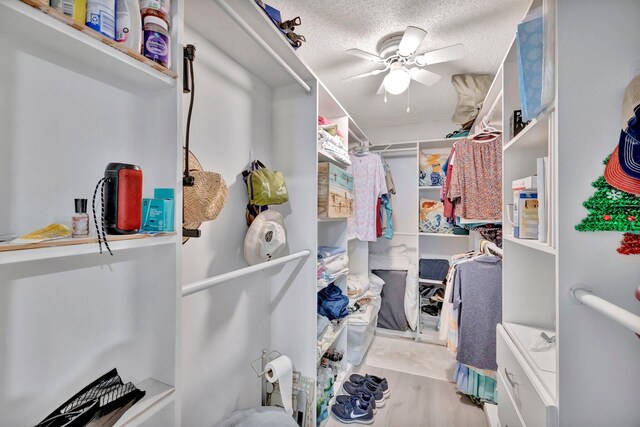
x,y
485,27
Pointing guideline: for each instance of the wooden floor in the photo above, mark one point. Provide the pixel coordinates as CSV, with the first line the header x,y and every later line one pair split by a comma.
x,y
417,401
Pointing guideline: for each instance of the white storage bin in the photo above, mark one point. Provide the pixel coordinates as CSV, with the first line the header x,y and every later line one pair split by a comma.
x,y
359,338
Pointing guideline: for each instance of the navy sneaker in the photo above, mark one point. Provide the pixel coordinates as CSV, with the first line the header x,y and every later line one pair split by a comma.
x,y
353,412
367,387
366,398
382,382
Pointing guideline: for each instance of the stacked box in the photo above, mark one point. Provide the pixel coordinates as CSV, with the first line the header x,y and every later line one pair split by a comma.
x,y
335,191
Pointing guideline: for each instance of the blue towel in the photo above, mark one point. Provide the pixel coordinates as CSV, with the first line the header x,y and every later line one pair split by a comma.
x,y
332,303
328,251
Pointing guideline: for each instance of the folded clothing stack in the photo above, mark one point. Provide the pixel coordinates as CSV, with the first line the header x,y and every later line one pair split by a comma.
x,y
325,252
332,303
331,266
332,144
434,269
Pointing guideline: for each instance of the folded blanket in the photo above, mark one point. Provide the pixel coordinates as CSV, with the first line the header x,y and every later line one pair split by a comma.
x,y
335,263
329,251
323,322
366,314
357,285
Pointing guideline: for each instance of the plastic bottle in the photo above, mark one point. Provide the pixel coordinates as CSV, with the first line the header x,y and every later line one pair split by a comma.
x,y
128,24
101,16
157,44
77,9
158,8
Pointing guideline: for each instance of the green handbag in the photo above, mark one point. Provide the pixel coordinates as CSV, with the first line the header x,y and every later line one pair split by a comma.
x,y
264,186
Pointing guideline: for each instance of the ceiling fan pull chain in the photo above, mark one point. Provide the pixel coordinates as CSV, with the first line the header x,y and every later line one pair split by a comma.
x,y
385,95
409,99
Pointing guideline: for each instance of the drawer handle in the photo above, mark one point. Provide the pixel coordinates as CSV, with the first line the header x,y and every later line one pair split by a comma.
x,y
508,376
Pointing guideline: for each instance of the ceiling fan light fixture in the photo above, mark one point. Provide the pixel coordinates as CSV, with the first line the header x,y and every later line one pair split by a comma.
x,y
397,81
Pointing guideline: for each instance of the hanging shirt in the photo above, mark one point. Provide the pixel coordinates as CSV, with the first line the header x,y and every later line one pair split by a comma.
x,y
476,179
386,212
477,296
368,185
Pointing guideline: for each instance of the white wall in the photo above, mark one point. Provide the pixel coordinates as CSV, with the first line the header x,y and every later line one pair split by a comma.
x,y
598,369
411,132
224,328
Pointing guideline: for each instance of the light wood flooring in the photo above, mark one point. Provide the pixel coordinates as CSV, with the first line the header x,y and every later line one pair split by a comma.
x,y
417,401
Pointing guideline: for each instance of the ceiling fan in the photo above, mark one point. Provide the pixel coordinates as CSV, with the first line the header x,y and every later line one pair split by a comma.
x,y
396,54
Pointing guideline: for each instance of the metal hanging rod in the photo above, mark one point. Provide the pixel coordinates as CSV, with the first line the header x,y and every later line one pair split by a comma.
x,y
612,311
388,149
194,287
255,36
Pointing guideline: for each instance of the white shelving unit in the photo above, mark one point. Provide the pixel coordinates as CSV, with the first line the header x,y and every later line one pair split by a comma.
x,y
550,388
333,231
403,159
69,315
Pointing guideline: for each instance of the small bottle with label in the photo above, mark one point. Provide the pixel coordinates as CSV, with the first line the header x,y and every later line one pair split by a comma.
x,y
80,220
156,44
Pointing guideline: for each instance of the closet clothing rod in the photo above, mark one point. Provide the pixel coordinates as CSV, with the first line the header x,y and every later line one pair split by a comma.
x,y
395,150
612,311
195,287
255,36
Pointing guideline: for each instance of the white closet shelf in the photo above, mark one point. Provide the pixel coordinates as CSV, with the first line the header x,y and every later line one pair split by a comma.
x,y
329,337
404,233
543,363
63,41
533,244
158,395
195,287
321,284
331,219
442,235
323,156
535,136
10,253
430,187
432,282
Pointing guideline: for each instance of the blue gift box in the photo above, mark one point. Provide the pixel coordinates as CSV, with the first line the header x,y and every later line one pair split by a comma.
x,y
530,46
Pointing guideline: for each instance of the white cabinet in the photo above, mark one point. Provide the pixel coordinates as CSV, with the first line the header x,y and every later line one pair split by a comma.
x,y
538,276
532,402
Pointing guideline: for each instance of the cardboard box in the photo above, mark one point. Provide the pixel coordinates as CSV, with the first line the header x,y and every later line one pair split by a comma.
x,y
335,191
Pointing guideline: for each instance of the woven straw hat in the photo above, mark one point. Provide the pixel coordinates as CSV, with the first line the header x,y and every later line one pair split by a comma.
x,y
205,200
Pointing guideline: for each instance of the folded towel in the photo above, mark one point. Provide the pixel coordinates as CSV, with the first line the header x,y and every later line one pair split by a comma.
x,y
335,263
329,251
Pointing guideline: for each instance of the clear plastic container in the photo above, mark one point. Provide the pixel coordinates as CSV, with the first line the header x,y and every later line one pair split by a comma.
x,y
156,40
158,8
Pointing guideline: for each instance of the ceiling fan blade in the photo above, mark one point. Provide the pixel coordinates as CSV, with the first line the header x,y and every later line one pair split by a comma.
x,y
411,40
425,77
364,55
363,75
450,53
380,90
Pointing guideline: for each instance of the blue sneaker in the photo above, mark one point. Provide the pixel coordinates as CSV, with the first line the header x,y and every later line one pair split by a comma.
x,y
366,398
367,387
382,382
353,412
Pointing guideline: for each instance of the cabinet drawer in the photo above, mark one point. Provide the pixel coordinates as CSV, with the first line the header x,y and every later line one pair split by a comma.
x,y
507,412
529,396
